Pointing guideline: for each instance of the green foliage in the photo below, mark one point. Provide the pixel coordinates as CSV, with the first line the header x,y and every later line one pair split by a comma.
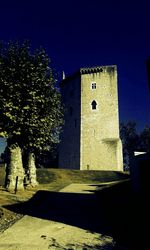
x,y
48,158
145,139
133,141
129,136
30,105
130,141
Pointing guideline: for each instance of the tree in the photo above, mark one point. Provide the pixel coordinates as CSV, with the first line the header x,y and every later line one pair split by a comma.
x,y
31,113
145,139
48,158
130,140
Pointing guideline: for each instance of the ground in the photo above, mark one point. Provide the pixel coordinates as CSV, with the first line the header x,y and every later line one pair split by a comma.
x,y
59,214
8,217
49,234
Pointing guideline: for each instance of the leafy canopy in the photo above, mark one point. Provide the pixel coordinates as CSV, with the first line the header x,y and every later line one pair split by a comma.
x,y
129,136
145,139
31,112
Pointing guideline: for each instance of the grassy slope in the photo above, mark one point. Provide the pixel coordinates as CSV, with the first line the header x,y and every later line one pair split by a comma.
x,y
55,179
62,177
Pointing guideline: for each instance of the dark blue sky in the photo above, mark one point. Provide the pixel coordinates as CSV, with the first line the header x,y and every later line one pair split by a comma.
x,y
80,33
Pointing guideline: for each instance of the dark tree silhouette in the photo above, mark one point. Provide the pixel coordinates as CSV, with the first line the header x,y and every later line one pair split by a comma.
x,y
130,140
145,139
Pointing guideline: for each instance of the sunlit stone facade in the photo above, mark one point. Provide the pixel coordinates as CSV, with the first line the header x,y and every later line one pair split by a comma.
x,y
90,138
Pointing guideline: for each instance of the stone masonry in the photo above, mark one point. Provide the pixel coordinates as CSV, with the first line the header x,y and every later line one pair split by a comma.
x,y
90,138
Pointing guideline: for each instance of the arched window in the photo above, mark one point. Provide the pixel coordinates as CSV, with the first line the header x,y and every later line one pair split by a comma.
x,y
94,104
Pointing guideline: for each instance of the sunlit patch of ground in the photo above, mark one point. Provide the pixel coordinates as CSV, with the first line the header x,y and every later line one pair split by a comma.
x,y
54,180
44,234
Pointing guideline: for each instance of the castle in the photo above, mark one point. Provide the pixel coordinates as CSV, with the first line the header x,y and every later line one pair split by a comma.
x,y
90,138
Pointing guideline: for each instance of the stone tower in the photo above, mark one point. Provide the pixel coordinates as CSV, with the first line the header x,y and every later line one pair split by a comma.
x,y
90,138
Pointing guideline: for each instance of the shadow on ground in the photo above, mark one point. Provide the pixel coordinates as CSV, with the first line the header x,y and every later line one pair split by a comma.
x,y
112,211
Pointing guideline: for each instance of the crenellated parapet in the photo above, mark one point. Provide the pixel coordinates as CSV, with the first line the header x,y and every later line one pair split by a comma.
x,y
98,69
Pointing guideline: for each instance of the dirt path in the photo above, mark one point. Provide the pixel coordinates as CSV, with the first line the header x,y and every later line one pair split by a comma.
x,y
79,188
33,232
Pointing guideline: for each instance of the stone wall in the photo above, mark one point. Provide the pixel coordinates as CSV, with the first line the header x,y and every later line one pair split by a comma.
x,y
100,143
90,139
69,150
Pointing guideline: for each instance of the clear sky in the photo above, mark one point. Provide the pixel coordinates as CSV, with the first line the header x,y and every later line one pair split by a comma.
x,y
84,33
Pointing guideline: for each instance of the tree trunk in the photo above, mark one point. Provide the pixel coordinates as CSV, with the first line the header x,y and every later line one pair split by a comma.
x,y
14,170
31,170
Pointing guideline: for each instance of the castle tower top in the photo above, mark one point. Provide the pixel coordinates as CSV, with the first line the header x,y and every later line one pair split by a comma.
x,y
97,69
91,70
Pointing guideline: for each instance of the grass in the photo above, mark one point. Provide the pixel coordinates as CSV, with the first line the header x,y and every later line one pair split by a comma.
x,y
55,179
59,178
125,217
